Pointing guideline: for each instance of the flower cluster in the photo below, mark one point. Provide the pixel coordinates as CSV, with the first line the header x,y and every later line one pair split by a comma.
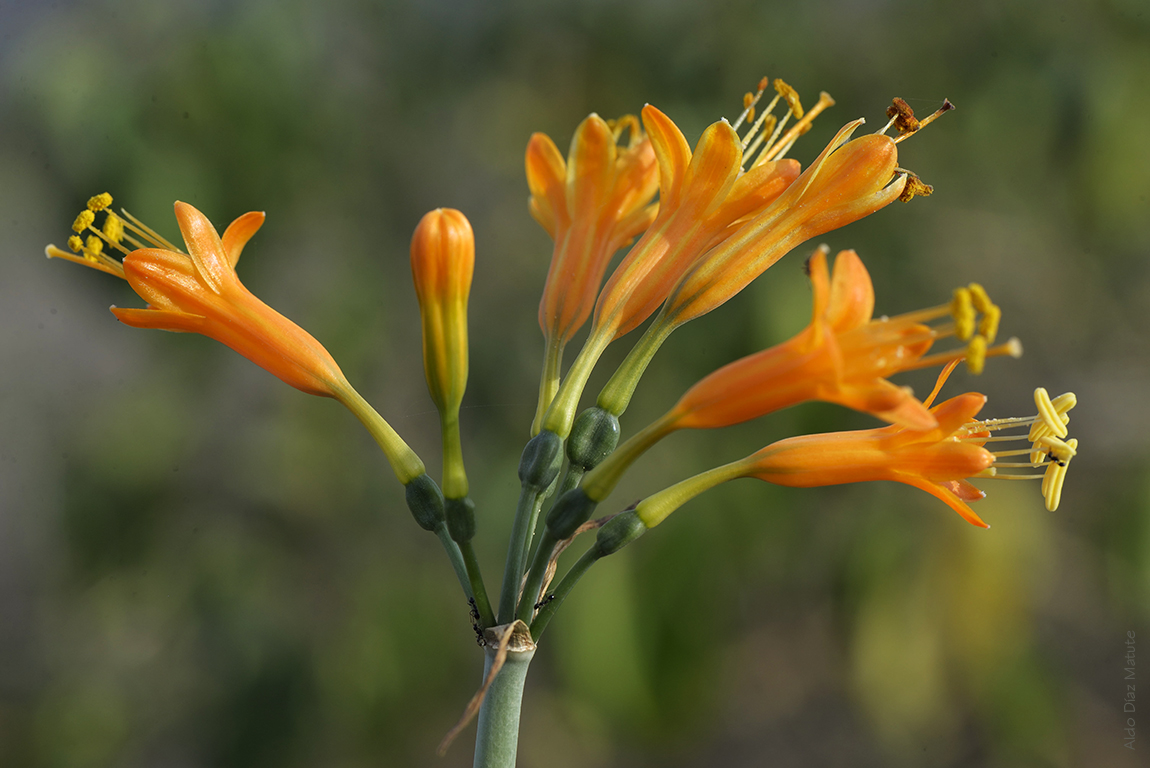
x,y
704,223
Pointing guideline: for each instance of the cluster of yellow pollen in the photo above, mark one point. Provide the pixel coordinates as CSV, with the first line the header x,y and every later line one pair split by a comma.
x,y
964,311
765,135
966,306
116,231
1050,450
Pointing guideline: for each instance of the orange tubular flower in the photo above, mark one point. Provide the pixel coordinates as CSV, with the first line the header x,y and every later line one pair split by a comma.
x,y
592,205
844,356
939,460
199,292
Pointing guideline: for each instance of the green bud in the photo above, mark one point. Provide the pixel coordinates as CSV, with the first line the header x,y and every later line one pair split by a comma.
x,y
570,511
460,519
541,459
425,501
593,437
618,532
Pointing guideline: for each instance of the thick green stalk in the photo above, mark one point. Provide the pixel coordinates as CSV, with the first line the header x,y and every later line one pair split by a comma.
x,y
616,394
497,733
478,590
530,500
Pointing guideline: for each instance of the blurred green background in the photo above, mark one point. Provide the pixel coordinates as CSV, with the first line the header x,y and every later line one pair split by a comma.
x,y
200,566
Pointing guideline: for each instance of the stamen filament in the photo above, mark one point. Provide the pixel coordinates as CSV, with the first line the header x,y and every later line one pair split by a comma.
x,y
798,128
147,232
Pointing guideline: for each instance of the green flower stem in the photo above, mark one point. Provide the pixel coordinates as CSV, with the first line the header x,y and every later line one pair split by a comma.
x,y
561,413
404,462
478,590
601,480
559,594
535,577
616,395
530,500
543,547
497,732
454,476
548,382
456,558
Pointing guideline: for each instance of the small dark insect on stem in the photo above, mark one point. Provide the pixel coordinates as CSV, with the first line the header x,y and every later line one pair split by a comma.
x,y
544,602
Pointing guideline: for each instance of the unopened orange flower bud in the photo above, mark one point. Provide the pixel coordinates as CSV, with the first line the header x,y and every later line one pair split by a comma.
x,y
442,263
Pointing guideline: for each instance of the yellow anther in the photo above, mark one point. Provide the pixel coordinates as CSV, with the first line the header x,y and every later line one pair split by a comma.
x,y
979,297
1048,413
99,202
915,187
1055,476
764,81
83,221
75,243
94,246
1065,402
988,326
976,354
113,227
1057,449
962,311
792,97
748,98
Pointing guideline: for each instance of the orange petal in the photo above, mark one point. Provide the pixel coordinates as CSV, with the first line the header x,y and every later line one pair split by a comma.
x,y
204,246
239,232
948,496
715,165
759,187
851,295
820,288
888,402
671,151
160,276
590,167
547,179
160,319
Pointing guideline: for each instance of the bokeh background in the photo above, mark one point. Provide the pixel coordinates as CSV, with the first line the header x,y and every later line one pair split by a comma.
x,y
200,566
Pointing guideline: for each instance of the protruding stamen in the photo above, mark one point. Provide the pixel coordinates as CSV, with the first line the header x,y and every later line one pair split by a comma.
x,y
113,227
1049,414
988,326
1055,476
83,221
962,310
914,187
776,151
902,117
76,243
976,354
792,97
99,202
749,102
946,107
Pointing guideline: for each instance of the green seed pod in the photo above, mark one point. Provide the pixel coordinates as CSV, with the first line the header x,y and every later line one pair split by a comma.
x,y
593,437
460,519
618,532
425,501
541,459
570,511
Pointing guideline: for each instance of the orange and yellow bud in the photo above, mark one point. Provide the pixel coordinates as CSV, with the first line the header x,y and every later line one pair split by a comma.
x,y
442,263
